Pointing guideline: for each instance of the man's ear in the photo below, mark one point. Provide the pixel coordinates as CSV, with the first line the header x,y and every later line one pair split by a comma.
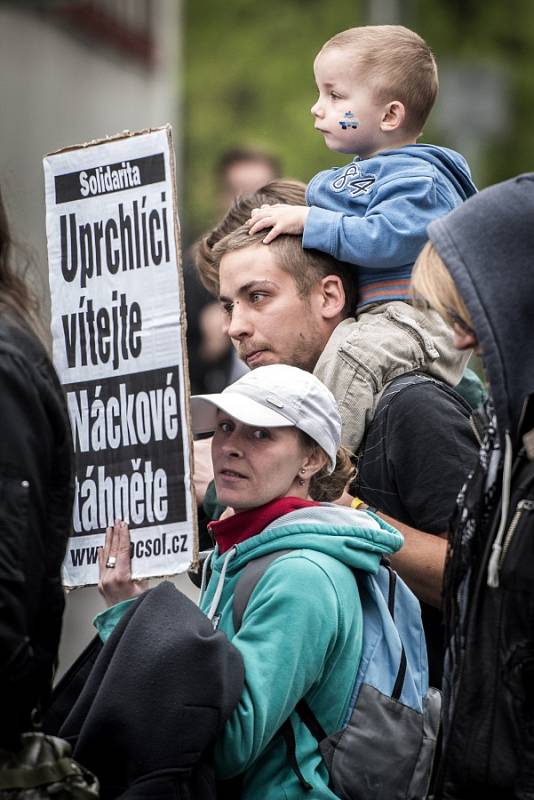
x,y
332,296
393,117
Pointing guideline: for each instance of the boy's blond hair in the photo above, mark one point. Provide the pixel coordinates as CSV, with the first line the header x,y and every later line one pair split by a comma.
x,y
398,65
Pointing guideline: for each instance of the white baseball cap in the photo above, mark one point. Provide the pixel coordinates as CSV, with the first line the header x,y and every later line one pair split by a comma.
x,y
275,396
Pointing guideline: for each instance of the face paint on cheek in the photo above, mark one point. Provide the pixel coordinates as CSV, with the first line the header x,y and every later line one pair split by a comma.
x,y
348,121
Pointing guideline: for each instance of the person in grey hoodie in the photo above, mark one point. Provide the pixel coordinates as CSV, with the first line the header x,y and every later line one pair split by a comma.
x,y
377,86
477,272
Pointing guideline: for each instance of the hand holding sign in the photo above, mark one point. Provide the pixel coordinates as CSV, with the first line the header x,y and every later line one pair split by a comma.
x,y
115,567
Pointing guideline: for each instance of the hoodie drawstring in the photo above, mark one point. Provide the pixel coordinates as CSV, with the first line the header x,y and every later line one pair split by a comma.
x,y
496,550
220,583
205,571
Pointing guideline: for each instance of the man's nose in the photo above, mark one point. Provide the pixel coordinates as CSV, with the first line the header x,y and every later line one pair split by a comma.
x,y
239,325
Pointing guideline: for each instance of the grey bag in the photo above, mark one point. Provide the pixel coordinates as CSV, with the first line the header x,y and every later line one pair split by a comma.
x,y
42,767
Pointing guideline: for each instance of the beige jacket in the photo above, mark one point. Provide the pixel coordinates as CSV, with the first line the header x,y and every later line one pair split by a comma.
x,y
389,340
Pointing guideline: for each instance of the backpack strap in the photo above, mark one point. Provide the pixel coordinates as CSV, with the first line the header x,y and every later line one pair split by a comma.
x,y
247,582
288,734
401,674
310,720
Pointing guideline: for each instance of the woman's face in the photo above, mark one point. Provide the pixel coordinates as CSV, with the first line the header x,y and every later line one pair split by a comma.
x,y
464,337
253,466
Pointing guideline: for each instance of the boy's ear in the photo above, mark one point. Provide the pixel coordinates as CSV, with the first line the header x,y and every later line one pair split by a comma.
x,y
394,116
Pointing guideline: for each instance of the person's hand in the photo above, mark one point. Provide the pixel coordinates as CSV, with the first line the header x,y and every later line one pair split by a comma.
x,y
115,564
345,499
279,218
215,342
228,512
202,467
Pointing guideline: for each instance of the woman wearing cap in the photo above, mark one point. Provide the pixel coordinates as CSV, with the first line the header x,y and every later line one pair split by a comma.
x,y
276,453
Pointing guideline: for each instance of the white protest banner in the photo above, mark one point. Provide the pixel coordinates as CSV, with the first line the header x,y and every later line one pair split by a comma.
x,y
118,336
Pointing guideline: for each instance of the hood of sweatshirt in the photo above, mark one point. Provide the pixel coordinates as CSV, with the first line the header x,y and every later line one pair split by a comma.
x,y
487,245
356,538
450,163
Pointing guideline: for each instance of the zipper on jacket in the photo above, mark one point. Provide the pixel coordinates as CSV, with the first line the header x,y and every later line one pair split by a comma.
x,y
522,506
474,427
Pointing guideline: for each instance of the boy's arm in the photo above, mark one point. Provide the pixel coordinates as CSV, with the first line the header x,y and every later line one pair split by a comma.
x,y
391,231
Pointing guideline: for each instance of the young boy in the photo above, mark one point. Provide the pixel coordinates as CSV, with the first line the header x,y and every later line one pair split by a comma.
x,y
377,86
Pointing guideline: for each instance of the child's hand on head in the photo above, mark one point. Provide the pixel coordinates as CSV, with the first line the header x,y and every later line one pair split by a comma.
x,y
280,218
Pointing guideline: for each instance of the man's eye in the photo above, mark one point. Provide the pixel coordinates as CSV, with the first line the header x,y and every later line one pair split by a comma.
x,y
225,426
228,308
261,434
257,297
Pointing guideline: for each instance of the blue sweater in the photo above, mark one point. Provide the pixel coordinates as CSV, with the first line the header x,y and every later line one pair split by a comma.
x,y
374,213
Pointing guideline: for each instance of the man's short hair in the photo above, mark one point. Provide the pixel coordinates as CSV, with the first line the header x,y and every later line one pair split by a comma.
x,y
307,267
277,191
397,64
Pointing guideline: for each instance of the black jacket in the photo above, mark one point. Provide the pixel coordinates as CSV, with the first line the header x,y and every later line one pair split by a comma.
x,y
158,694
488,247
35,514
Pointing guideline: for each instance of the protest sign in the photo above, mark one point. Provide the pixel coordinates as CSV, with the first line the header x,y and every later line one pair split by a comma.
x,y
118,324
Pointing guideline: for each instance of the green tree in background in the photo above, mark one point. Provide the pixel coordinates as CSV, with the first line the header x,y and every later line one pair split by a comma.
x,y
249,81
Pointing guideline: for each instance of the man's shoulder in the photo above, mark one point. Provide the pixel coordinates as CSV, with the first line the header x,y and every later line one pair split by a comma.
x,y
418,449
422,396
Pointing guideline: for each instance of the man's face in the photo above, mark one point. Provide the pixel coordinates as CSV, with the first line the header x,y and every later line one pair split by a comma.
x,y
266,318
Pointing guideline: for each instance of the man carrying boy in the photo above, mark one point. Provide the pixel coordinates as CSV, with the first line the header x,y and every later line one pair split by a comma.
x,y
377,85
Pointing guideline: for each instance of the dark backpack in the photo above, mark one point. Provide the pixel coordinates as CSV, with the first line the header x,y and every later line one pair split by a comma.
x,y
42,767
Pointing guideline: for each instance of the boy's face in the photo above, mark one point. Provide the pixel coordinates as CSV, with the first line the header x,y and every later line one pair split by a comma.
x,y
346,112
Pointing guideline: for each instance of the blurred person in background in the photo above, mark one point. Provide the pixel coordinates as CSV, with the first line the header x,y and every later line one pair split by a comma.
x,y
212,360
36,495
476,271
242,170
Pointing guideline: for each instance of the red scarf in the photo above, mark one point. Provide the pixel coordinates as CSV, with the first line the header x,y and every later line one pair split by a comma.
x,y
244,524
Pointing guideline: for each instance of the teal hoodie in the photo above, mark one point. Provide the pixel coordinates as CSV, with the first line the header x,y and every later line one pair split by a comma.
x,y
301,636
